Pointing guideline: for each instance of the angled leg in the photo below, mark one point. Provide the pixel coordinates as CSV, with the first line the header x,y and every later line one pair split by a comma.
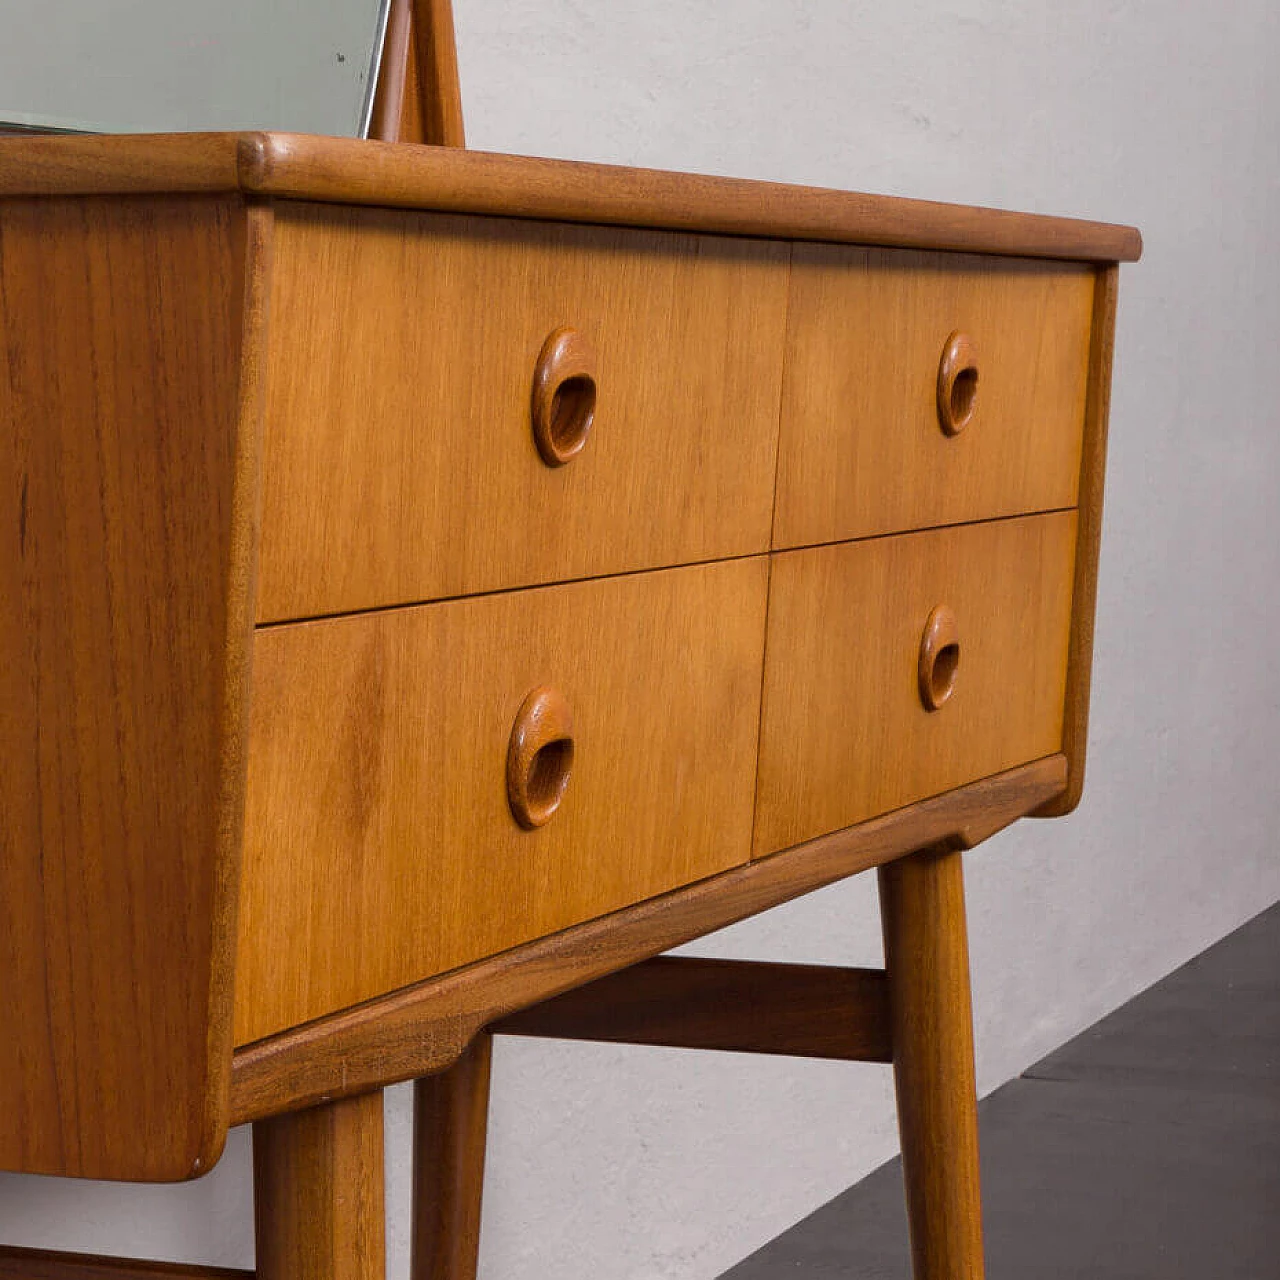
x,y
450,1120
927,957
319,1208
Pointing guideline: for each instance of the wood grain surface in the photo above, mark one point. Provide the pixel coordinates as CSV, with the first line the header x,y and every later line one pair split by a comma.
x,y
733,1006
434,78
927,956
418,97
844,734
862,451
425,1027
129,413
41,1264
450,1129
318,1192
379,845
1093,471
349,170
400,463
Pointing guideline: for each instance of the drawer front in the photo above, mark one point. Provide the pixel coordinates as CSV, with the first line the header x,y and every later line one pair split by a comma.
x,y
846,732
400,461
865,446
381,846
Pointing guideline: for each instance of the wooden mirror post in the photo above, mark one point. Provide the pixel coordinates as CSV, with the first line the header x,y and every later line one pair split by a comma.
x,y
417,98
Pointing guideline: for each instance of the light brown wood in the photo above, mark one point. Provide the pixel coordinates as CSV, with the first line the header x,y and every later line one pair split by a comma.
x,y
436,79
318,1198
129,419
379,841
450,1122
735,1006
424,1028
1075,728
393,69
844,734
418,97
861,452
39,1264
399,461
927,956
347,170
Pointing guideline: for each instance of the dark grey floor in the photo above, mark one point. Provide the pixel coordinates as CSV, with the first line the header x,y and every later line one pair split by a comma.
x,y
1147,1148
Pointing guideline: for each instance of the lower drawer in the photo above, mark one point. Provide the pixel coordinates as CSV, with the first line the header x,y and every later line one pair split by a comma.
x,y
864,636
381,840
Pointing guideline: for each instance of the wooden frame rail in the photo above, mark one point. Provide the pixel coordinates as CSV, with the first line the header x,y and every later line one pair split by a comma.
x,y
424,1028
736,1006
40,1264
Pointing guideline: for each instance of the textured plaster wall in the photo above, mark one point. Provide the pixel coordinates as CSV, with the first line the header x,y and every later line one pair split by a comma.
x,y
621,1165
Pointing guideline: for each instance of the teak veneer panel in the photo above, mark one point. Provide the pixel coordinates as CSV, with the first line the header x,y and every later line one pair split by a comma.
x,y
845,734
400,464
1093,470
350,171
128,416
379,846
861,449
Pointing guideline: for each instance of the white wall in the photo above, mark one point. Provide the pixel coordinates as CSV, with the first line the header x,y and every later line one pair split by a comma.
x,y
610,1164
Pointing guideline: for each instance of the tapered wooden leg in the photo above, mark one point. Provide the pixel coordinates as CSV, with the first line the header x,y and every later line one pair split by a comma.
x,y
927,957
450,1122
319,1207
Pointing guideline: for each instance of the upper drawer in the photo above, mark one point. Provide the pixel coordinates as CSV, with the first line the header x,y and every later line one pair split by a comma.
x,y
381,845
400,462
864,449
853,662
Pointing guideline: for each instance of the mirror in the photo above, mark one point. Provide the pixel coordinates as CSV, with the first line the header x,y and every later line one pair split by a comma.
x,y
146,66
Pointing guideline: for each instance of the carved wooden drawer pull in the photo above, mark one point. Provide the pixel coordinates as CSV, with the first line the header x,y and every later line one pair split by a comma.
x,y
539,757
564,396
957,383
939,658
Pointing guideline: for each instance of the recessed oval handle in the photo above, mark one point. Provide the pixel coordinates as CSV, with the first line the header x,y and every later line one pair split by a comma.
x,y
957,383
564,396
539,757
939,658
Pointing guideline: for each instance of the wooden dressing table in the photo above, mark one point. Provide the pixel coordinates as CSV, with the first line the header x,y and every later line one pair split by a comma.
x,y
436,583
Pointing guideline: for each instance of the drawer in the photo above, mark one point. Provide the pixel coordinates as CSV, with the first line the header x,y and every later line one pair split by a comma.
x,y
381,846
867,449
400,460
846,732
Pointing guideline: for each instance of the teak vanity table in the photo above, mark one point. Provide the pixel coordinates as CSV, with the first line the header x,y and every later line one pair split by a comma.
x,y
436,583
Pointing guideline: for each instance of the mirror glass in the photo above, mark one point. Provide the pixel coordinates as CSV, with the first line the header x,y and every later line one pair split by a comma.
x,y
129,66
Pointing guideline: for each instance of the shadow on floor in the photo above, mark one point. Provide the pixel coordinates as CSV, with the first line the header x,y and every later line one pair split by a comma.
x,y
1147,1148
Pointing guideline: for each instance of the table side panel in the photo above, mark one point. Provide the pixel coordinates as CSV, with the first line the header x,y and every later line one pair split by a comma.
x,y
379,847
845,733
1093,469
862,451
400,464
128,415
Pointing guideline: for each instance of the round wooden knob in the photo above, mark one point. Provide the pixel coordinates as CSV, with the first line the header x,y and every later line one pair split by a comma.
x,y
957,383
939,658
564,396
539,757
